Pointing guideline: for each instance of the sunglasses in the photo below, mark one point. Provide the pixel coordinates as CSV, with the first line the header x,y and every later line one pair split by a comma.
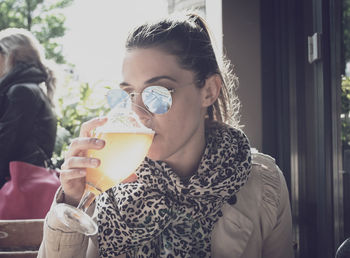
x,y
157,99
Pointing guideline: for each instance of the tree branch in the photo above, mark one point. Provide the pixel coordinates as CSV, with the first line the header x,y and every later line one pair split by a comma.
x,y
29,15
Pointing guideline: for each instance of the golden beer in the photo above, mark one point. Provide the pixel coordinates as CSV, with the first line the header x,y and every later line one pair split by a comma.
x,y
120,157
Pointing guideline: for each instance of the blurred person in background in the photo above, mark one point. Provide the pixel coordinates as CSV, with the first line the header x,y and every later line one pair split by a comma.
x,y
27,118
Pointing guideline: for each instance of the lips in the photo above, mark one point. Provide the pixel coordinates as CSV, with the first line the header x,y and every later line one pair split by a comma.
x,y
147,122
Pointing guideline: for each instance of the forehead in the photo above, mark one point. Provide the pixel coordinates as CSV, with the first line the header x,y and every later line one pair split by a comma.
x,y
145,63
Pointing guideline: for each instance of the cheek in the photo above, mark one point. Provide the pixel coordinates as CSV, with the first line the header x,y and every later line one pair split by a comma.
x,y
174,129
183,115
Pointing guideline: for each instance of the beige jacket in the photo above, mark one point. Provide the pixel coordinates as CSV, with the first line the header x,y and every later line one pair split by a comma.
x,y
259,225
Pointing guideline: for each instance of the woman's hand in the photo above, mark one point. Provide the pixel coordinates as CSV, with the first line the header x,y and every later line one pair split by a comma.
x,y
73,170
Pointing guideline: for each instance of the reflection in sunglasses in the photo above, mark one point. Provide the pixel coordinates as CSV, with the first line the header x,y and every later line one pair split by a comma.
x,y
157,99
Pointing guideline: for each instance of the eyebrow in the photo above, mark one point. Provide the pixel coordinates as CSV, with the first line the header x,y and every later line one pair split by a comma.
x,y
152,80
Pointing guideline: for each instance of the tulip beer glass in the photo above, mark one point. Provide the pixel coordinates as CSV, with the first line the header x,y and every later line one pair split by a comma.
x,y
127,143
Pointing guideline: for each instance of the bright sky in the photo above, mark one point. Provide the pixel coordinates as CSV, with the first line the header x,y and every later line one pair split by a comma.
x,y
96,33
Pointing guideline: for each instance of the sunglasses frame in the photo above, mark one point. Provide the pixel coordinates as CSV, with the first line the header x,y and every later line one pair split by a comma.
x,y
133,94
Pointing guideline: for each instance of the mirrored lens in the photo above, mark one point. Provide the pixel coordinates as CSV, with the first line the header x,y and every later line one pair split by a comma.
x,y
157,99
117,97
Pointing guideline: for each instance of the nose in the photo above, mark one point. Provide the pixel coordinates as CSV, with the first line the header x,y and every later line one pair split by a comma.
x,y
137,100
144,115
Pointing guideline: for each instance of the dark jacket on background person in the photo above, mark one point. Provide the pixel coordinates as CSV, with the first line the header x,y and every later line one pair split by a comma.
x,y
27,119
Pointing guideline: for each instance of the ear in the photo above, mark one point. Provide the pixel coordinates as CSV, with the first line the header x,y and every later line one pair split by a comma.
x,y
211,90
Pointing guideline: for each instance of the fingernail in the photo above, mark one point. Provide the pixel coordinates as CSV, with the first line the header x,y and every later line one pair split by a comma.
x,y
99,143
94,162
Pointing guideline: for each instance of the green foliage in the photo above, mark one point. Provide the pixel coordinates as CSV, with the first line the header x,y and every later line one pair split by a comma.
x,y
43,18
77,102
345,107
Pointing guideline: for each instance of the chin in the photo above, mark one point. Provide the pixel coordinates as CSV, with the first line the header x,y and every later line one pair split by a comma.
x,y
156,153
154,156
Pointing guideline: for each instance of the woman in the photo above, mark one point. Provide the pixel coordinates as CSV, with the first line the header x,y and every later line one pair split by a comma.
x,y
199,192
27,119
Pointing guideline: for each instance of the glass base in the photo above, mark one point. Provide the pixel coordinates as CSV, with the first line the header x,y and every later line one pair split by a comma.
x,y
75,219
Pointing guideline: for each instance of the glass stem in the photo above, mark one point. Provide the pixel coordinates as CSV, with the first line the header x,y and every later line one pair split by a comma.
x,y
86,200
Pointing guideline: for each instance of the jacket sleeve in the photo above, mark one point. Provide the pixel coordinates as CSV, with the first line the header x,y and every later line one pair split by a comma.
x,y
59,241
278,244
21,109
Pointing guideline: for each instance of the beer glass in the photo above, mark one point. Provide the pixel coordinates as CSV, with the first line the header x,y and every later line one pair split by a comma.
x,y
127,143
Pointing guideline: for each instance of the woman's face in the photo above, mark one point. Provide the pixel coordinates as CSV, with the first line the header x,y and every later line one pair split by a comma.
x,y
2,65
180,131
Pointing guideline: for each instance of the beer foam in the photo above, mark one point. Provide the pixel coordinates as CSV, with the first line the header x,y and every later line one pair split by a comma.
x,y
113,129
123,120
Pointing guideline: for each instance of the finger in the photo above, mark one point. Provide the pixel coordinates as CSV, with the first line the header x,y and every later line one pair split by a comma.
x,y
68,174
80,162
87,127
79,145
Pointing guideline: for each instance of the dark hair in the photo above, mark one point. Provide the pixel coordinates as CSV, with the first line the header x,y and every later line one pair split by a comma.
x,y
20,46
187,37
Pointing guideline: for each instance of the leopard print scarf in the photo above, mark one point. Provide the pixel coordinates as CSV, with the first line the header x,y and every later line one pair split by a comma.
x,y
161,215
